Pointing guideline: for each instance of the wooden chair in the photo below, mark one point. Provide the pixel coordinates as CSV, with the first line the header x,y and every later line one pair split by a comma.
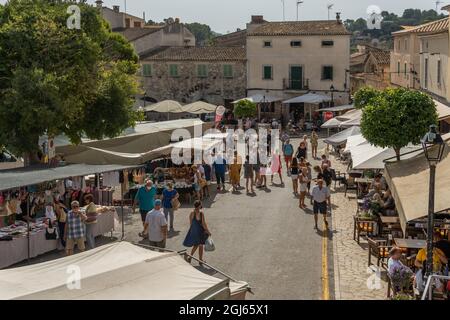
x,y
337,177
363,227
349,185
379,249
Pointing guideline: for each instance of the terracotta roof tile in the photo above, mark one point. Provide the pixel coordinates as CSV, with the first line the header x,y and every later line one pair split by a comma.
x,y
381,56
132,34
234,39
294,28
437,26
198,54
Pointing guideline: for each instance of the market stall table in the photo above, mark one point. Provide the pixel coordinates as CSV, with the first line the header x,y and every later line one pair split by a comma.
x,y
16,250
388,223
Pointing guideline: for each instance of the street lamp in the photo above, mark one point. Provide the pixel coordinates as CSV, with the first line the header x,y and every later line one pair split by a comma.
x,y
433,147
145,98
332,95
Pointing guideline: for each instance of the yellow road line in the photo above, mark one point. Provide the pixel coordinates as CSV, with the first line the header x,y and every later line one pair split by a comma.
x,y
325,282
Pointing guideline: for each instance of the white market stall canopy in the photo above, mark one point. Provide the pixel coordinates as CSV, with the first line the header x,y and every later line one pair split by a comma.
x,y
199,107
166,106
351,118
350,123
133,147
28,176
96,156
442,110
341,137
367,157
409,182
332,123
313,98
117,271
195,144
339,108
354,141
259,98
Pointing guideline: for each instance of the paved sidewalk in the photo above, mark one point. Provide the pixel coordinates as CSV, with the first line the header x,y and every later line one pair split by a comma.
x,y
352,276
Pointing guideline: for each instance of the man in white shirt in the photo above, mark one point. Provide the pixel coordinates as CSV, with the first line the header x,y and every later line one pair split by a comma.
x,y
156,226
321,196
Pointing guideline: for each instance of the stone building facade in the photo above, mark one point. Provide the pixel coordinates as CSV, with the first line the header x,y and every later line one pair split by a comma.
x,y
215,75
292,58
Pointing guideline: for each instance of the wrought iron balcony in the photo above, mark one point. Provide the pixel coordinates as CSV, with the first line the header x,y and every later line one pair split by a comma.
x,y
295,84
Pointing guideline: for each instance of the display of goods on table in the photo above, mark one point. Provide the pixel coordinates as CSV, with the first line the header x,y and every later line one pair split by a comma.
x,y
19,228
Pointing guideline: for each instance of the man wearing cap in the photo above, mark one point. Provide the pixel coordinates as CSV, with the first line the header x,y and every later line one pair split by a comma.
x,y
156,226
321,196
145,197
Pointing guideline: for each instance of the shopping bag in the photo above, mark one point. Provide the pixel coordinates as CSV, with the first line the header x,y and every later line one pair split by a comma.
x,y
175,204
209,244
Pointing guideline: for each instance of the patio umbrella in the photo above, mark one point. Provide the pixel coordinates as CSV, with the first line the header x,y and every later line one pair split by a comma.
x,y
332,123
259,98
354,141
341,137
200,107
166,106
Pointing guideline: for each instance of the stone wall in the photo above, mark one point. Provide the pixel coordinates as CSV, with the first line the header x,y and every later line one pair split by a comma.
x,y
188,87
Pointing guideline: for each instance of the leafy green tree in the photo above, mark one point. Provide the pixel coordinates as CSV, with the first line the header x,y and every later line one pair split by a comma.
x,y
245,109
202,32
56,80
397,117
365,96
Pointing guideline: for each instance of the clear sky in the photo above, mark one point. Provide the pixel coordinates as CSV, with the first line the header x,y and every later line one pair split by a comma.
x,y
227,15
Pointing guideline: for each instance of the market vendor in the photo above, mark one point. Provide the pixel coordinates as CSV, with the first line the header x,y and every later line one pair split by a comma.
x,y
91,214
38,207
61,215
159,174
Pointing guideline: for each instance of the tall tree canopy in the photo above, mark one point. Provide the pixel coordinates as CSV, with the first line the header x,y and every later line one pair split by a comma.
x,y
244,109
396,117
391,23
56,80
202,32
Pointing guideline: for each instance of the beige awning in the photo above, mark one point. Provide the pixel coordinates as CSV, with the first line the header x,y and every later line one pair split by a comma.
x,y
132,147
409,183
442,110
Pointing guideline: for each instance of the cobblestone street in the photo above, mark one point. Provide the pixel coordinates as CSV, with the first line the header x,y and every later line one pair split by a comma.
x,y
352,276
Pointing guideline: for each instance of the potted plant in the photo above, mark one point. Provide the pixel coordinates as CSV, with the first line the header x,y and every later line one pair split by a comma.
x,y
401,278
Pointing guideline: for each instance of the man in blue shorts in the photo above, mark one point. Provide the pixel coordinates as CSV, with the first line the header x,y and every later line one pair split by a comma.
x,y
321,196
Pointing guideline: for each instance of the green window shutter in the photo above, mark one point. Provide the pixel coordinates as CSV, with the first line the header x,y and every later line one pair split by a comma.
x,y
228,71
202,71
173,70
267,72
327,73
147,70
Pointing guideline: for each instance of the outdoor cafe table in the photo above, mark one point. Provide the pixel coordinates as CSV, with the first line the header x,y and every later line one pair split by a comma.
x,y
388,222
410,244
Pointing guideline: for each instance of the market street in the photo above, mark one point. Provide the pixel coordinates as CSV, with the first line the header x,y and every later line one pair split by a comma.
x,y
265,239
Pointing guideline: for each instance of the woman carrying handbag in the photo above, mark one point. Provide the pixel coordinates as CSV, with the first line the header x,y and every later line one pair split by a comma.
x,y
198,232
